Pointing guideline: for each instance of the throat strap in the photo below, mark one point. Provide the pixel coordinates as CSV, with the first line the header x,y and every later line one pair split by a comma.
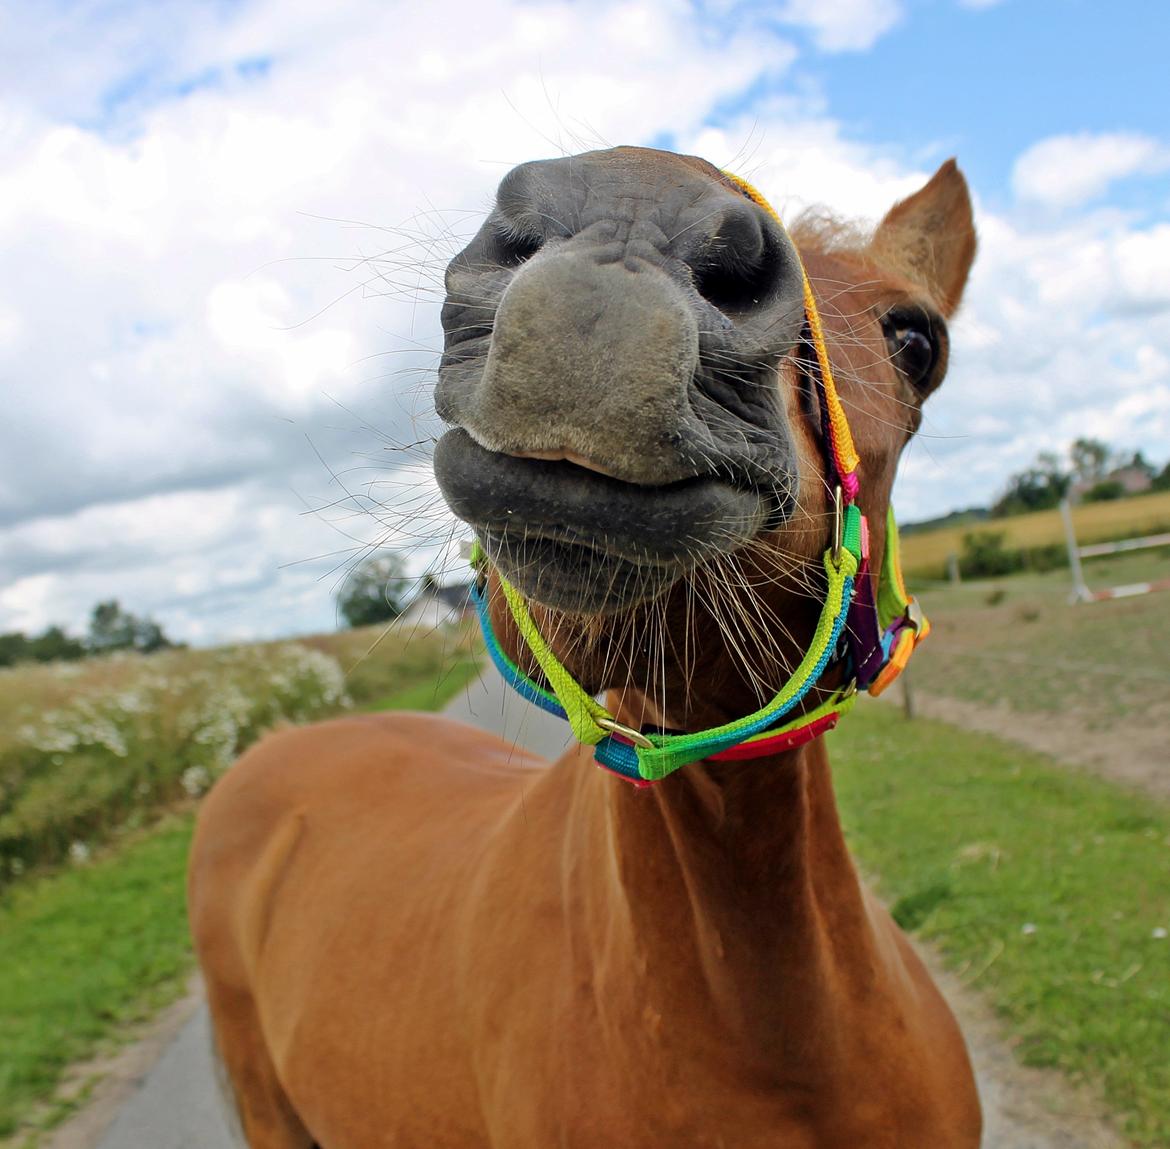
x,y
650,757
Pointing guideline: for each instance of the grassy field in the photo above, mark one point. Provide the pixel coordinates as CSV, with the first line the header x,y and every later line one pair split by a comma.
x,y
104,941
925,555
1047,890
91,749
1017,642
83,953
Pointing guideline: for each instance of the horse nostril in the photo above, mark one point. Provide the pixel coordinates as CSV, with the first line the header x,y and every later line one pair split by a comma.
x,y
742,264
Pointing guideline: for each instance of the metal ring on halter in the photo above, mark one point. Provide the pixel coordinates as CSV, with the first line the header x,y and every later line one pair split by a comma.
x,y
612,726
838,525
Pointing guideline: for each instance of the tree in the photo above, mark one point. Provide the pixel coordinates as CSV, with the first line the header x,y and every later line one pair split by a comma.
x,y
1039,487
14,648
54,645
375,591
1090,460
112,628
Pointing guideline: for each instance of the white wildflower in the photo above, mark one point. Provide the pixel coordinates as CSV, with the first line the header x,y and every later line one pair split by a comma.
x,y
1028,928
79,853
195,780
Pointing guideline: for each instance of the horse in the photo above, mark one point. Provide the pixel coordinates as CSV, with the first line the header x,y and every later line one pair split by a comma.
x,y
674,427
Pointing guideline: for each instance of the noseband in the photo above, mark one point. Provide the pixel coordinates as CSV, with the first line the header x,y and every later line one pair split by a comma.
x,y
872,637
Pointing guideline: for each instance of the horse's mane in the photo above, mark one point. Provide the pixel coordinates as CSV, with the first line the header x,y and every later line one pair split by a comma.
x,y
818,229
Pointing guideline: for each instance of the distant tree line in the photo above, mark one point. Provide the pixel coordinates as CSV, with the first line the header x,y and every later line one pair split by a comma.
x,y
111,628
1091,469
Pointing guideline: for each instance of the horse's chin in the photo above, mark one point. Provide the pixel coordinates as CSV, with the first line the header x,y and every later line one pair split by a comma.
x,y
586,543
577,578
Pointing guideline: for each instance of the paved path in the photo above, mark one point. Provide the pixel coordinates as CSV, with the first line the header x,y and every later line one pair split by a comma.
x,y
176,1104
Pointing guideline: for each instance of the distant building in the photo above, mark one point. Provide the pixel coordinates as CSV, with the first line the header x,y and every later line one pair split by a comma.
x,y
436,607
1133,479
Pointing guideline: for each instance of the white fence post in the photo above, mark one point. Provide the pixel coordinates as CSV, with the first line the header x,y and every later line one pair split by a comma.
x,y
1080,590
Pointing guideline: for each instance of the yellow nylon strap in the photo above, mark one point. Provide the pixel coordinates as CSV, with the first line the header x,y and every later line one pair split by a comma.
x,y
580,708
842,438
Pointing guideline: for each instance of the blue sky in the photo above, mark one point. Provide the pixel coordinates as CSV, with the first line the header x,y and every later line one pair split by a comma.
x,y
988,83
222,226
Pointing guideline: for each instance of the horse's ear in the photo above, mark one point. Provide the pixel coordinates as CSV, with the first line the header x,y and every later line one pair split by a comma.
x,y
930,236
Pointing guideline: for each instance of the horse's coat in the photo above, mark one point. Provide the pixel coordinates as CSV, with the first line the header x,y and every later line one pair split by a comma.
x,y
413,935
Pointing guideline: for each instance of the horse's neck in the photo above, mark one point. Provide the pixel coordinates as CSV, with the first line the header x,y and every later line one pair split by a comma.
x,y
725,893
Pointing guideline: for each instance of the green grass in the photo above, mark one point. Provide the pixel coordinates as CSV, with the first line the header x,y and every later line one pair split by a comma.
x,y
1044,888
1018,641
89,949
83,953
433,694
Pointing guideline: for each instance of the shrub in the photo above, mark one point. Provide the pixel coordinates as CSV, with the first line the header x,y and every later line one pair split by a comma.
x,y
161,732
985,556
1105,491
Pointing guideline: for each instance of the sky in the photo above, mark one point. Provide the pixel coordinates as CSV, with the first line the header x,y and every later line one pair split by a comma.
x,y
223,228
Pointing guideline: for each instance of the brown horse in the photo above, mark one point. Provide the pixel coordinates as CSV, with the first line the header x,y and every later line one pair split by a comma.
x,y
414,935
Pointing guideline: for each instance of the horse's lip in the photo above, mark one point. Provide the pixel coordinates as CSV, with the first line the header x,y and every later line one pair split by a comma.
x,y
676,524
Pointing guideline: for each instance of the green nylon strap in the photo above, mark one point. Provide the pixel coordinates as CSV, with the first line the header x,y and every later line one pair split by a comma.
x,y
669,751
672,751
840,704
892,599
580,708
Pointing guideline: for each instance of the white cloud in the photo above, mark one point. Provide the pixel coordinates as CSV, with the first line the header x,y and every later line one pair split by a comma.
x,y
187,319
1065,332
833,25
1064,171
185,313
844,25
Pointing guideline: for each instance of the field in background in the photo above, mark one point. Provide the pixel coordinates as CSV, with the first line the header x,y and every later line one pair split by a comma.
x,y
1048,890
92,749
924,556
103,941
1015,647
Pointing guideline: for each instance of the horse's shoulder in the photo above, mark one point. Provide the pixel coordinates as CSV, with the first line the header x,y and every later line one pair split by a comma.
x,y
361,754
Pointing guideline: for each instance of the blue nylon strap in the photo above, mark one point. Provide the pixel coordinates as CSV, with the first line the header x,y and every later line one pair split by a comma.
x,y
513,675
620,756
623,758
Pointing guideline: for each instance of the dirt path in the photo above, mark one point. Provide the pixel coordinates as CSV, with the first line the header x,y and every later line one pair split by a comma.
x,y
159,1094
1136,755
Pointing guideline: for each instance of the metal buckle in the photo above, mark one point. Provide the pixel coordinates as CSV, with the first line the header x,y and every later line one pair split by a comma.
x,y
613,726
913,615
838,525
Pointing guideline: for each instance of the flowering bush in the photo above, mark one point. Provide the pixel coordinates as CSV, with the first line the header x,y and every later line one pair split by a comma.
x,y
162,729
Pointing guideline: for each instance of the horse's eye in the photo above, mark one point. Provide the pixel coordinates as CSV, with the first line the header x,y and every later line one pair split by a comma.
x,y
912,343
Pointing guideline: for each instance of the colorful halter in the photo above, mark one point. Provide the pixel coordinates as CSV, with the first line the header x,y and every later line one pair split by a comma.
x,y
875,638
